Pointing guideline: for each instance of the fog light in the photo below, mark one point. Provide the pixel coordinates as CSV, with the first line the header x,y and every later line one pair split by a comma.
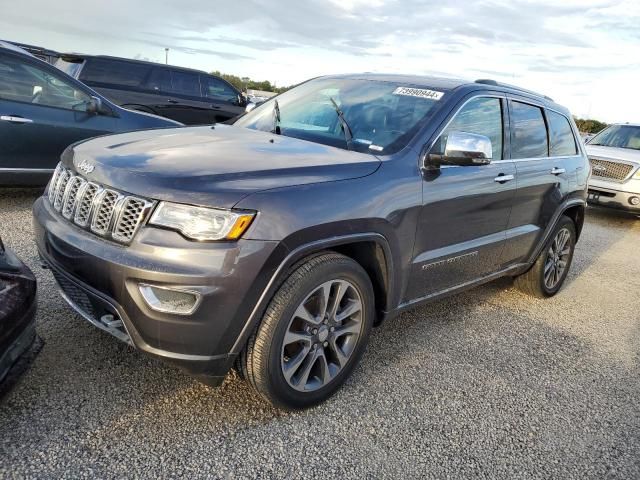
x,y
170,300
634,201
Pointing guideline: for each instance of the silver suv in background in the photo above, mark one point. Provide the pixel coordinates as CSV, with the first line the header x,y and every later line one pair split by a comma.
x,y
615,167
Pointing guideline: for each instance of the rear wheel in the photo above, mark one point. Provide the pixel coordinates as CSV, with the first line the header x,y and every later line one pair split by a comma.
x,y
548,274
313,333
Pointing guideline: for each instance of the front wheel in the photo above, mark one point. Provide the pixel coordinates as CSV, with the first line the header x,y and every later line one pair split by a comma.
x,y
313,333
548,273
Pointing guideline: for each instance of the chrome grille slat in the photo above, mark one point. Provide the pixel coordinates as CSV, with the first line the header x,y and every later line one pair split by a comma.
x,y
61,185
105,204
70,197
83,211
53,183
105,211
130,217
609,169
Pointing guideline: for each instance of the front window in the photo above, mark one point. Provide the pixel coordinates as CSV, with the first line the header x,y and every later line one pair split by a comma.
x,y
382,117
619,136
21,81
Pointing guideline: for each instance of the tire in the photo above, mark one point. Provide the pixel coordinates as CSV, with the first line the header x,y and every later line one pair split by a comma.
x,y
534,282
275,362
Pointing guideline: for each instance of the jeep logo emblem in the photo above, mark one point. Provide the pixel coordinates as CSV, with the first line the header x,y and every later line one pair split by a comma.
x,y
85,166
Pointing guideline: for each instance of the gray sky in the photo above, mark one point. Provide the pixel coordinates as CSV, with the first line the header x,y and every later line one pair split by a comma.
x,y
585,54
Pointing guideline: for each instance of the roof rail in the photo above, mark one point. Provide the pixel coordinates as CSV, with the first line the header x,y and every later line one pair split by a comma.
x,y
488,81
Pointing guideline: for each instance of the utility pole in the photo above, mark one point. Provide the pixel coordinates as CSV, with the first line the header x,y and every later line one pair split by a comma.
x,y
166,55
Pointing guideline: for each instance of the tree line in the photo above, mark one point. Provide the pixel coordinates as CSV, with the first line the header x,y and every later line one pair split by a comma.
x,y
247,83
589,125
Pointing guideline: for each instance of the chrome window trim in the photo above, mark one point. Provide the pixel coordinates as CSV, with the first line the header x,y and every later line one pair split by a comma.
x,y
506,96
27,170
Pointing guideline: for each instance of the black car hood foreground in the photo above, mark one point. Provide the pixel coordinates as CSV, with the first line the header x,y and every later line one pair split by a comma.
x,y
213,166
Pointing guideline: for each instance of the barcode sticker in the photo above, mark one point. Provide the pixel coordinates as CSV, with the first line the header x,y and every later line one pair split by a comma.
x,y
418,92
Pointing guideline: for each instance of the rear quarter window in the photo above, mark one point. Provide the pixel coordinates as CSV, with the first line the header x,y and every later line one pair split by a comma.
x,y
563,143
528,131
115,72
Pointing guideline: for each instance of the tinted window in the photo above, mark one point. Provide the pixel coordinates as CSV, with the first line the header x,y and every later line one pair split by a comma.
x,y
23,82
528,132
561,135
481,116
185,83
115,72
216,88
159,80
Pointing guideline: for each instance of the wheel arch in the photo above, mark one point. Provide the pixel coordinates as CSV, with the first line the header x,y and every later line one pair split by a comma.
x,y
576,213
370,250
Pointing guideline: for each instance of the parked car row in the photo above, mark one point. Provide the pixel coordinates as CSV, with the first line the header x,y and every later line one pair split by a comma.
x,y
273,245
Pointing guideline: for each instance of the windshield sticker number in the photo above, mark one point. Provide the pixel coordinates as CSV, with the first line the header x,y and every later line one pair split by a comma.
x,y
418,92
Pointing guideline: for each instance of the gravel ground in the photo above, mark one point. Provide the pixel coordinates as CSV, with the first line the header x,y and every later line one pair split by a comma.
x,y
490,383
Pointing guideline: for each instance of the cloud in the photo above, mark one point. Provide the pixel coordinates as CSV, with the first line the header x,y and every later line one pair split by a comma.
x,y
544,44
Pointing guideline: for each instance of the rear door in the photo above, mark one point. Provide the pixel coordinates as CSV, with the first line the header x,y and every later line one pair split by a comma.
x,y
42,111
186,103
223,99
542,179
461,228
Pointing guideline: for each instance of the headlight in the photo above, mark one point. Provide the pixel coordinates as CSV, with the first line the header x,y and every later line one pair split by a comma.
x,y
637,174
199,223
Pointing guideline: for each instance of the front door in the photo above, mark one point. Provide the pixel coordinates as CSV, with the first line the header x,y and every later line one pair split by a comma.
x,y
41,113
465,212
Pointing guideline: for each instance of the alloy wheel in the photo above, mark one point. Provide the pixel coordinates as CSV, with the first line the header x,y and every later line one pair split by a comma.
x,y
557,258
322,335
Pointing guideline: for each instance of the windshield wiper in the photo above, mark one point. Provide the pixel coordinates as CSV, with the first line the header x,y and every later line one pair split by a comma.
x,y
276,117
345,126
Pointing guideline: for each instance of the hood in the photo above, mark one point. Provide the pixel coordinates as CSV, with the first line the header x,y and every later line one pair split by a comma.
x,y
613,153
211,166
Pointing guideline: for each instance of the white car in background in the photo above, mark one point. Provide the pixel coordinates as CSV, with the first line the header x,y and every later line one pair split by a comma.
x,y
614,154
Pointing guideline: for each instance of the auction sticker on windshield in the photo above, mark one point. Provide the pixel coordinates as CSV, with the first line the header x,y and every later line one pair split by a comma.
x,y
418,92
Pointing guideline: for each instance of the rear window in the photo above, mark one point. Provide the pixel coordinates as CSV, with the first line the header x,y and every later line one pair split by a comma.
x,y
115,72
563,142
528,132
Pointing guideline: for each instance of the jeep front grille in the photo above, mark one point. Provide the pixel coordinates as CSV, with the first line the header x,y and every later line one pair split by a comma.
x,y
104,211
611,170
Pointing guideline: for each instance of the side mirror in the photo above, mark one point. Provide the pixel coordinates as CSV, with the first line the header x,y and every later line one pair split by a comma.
x,y
250,106
94,106
463,149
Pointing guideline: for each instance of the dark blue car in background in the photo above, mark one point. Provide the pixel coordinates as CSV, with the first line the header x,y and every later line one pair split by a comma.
x,y
44,110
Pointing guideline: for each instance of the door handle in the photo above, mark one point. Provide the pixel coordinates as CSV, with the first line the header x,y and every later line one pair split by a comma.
x,y
557,171
503,178
14,119
172,101
215,107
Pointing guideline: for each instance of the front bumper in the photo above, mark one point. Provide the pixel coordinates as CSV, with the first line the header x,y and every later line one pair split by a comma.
x,y
615,195
100,281
17,311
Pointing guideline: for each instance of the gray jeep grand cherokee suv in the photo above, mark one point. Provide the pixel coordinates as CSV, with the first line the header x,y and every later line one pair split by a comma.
x,y
275,244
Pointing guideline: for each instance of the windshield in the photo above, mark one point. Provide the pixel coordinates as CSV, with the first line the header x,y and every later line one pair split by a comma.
x,y
70,68
620,136
382,117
